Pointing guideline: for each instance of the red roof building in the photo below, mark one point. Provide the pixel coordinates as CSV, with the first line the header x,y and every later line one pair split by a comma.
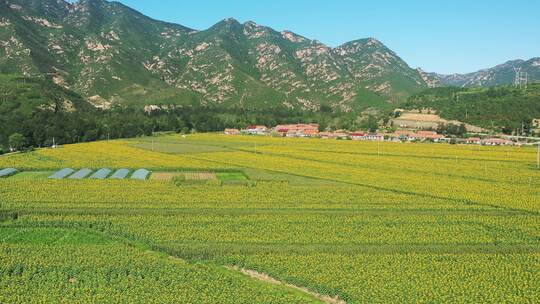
x,y
300,130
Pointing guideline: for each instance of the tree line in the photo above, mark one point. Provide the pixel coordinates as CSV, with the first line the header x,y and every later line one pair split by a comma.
x,y
42,127
506,109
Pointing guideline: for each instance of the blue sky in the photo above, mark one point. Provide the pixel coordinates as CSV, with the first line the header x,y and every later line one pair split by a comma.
x,y
439,36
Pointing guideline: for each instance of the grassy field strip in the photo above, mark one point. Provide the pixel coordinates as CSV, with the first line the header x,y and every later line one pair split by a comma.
x,y
10,235
215,250
132,209
144,250
208,229
174,146
366,185
407,149
447,169
105,154
406,278
384,152
391,180
371,166
373,149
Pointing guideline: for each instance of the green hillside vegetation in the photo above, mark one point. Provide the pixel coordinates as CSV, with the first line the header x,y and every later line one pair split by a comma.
x,y
502,108
106,49
40,110
25,94
22,97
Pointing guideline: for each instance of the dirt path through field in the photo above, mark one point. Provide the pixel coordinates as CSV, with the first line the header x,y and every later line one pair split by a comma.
x,y
268,279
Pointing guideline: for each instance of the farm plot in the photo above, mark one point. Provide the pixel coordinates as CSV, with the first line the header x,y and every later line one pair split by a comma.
x,y
195,176
53,265
165,176
178,145
415,223
32,175
231,177
183,176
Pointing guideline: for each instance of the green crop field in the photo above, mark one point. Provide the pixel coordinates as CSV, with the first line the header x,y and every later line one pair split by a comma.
x,y
284,221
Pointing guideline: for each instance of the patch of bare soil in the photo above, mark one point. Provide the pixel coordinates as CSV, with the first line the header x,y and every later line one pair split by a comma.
x,y
268,279
165,176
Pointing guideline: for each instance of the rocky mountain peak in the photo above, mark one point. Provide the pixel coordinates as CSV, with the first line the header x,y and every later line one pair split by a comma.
x,y
108,52
292,37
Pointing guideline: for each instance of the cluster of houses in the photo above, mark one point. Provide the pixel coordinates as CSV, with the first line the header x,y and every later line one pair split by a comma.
x,y
292,130
312,130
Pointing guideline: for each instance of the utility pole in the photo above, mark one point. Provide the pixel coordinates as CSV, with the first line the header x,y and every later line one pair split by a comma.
x,y
538,156
152,140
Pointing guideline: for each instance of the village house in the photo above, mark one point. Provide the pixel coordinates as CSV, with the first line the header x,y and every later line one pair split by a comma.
x,y
365,136
497,142
232,131
473,141
298,130
391,137
429,135
358,136
292,133
256,130
327,135
404,135
341,134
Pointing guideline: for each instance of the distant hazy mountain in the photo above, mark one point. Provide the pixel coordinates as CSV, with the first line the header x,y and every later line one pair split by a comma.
x,y
503,74
109,53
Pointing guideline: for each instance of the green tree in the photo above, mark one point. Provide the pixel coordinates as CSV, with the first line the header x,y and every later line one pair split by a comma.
x,y
371,124
17,141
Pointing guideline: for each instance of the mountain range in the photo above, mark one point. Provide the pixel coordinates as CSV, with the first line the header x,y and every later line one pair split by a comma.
x,y
111,54
502,74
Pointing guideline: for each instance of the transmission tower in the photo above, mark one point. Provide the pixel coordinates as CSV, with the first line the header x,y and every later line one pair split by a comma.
x,y
521,79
